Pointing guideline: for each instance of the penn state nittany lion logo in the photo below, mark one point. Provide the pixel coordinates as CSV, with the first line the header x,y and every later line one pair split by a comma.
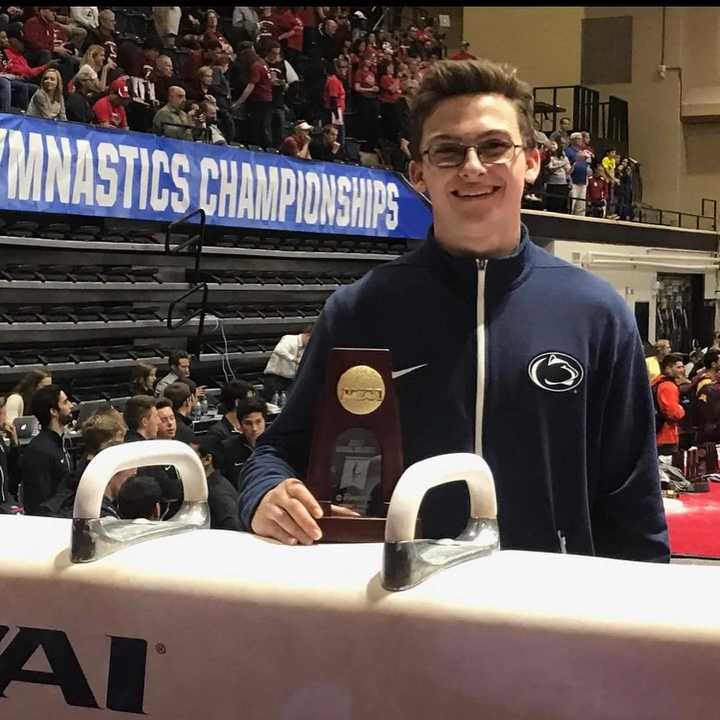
x,y
556,371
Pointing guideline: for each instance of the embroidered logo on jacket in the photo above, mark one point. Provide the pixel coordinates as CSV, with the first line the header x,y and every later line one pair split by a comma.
x,y
556,371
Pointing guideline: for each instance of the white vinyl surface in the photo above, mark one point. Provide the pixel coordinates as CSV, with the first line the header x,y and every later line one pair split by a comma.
x,y
240,627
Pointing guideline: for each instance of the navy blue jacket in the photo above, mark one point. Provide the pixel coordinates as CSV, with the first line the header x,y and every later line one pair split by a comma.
x,y
531,362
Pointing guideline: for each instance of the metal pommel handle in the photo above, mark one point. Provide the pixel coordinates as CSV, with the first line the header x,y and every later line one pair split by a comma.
x,y
427,474
94,537
137,454
408,561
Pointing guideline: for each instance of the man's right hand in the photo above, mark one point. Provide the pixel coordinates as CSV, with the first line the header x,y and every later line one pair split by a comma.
x,y
288,512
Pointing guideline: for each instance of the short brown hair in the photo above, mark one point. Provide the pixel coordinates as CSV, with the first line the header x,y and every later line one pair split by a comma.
x,y
136,409
452,78
177,394
100,428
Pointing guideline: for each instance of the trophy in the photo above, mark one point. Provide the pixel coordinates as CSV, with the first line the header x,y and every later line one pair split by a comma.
x,y
356,455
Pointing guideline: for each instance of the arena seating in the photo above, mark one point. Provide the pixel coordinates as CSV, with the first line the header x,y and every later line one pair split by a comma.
x,y
87,298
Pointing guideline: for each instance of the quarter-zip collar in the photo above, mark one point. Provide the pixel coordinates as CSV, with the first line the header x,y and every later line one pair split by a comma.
x,y
502,274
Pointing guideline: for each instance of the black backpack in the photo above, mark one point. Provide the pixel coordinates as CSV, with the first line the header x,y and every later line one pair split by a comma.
x,y
660,417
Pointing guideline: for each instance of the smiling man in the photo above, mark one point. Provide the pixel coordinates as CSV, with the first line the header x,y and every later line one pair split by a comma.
x,y
515,355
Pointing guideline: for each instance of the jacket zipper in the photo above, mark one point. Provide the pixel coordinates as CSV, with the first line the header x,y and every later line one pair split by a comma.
x,y
480,335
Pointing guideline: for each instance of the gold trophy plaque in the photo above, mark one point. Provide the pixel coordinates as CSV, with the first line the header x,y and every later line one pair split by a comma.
x,y
356,454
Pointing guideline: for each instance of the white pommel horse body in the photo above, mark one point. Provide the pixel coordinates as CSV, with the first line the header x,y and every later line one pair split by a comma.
x,y
171,621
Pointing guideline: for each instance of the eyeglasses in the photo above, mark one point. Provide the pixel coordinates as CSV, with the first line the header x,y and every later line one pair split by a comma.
x,y
491,152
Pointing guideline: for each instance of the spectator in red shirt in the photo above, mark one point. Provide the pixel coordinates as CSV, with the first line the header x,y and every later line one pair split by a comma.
x,y
110,110
213,33
259,95
291,33
334,98
45,40
267,27
15,70
298,144
389,95
366,92
463,53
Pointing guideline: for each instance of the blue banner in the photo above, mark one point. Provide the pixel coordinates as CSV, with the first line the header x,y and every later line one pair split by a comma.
x,y
59,167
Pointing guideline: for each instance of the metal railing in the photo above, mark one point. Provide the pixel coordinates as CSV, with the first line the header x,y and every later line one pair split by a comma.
x,y
643,215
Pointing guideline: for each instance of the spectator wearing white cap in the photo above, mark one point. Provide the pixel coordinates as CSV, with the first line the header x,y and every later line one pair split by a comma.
x,y
577,156
298,144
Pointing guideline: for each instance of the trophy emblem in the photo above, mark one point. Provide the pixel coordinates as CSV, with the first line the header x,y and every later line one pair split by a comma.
x,y
356,454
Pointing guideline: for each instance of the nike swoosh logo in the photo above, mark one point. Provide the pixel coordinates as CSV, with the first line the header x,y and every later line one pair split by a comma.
x,y
400,373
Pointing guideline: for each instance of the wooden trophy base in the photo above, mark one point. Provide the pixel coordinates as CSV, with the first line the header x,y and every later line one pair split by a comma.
x,y
343,529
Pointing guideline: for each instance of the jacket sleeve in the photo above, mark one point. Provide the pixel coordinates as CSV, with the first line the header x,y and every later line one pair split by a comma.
x,y
283,451
37,479
628,518
668,400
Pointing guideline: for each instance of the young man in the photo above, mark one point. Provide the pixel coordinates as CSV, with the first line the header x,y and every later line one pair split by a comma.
x,y
229,426
141,418
179,364
45,462
181,397
327,147
517,336
141,497
662,350
110,110
222,496
665,388
167,425
235,451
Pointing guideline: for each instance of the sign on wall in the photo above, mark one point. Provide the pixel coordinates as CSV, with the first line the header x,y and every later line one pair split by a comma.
x,y
59,167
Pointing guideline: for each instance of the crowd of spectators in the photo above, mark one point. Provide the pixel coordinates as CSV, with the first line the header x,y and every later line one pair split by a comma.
x,y
41,477
287,78
575,179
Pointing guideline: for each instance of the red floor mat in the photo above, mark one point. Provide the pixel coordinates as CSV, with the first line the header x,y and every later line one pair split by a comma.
x,y
694,523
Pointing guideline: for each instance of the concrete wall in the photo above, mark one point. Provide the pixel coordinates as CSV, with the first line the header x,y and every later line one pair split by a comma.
x,y
680,163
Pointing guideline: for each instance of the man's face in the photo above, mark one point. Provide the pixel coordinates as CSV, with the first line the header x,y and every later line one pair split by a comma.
x,y
476,207
253,426
164,66
678,370
184,363
330,135
176,99
4,40
107,20
64,409
273,57
565,124
331,27
47,14
166,424
150,424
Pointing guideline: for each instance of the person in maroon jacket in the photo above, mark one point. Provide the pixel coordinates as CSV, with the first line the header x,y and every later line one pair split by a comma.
x,y
298,144
46,39
258,94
